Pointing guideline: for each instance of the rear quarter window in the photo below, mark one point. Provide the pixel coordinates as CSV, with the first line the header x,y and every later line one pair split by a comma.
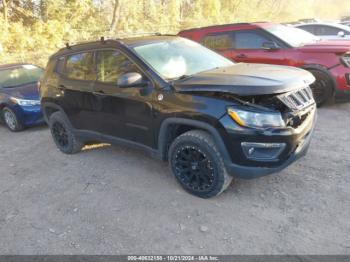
x,y
60,65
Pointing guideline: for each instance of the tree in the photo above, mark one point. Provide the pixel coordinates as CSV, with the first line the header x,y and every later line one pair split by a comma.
x,y
5,12
116,15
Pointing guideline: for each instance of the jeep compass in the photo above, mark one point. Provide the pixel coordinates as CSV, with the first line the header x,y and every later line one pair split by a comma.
x,y
210,118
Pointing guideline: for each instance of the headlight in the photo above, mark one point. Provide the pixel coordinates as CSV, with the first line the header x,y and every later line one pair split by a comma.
x,y
345,60
256,119
25,102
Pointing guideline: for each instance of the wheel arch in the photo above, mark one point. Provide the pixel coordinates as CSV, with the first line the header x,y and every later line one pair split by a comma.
x,y
324,70
2,106
48,108
173,127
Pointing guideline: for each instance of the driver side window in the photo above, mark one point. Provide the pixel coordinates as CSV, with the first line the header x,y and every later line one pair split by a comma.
x,y
249,40
111,64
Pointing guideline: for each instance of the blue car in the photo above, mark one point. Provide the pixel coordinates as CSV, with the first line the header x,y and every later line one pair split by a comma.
x,y
19,96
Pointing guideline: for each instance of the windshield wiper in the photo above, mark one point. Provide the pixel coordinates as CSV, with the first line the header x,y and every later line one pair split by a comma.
x,y
183,77
188,76
179,78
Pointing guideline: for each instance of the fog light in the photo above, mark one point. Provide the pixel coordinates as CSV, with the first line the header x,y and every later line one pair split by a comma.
x,y
262,151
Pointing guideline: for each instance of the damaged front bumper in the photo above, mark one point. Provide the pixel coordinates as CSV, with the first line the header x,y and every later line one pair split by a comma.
x,y
294,143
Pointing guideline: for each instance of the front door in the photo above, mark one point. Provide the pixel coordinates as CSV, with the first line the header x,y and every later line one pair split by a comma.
x,y
122,112
248,47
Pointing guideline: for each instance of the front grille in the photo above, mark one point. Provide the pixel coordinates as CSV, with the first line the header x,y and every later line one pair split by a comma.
x,y
297,100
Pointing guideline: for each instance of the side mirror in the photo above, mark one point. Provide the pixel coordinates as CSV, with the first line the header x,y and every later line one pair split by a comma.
x,y
132,79
341,34
270,46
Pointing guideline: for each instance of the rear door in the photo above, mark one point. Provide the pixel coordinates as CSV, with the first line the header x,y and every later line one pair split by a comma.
x,y
122,112
77,77
221,42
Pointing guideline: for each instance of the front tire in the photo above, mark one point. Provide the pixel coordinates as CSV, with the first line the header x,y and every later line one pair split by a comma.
x,y
11,120
322,88
197,164
63,135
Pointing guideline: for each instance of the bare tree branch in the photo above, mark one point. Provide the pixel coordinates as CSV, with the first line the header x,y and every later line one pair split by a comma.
x,y
5,12
116,15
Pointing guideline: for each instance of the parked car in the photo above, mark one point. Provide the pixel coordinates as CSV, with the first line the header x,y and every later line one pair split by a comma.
x,y
19,95
272,43
345,18
347,23
210,118
308,20
326,31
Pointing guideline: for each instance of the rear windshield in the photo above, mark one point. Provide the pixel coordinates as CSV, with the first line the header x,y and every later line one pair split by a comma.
x,y
20,75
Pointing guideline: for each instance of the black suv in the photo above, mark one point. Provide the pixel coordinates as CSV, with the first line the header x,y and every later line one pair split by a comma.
x,y
210,118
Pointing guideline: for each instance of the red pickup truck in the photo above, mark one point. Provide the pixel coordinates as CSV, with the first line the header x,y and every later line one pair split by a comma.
x,y
268,43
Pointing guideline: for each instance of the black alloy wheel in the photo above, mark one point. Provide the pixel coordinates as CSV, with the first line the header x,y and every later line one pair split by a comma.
x,y
63,134
194,168
197,164
60,134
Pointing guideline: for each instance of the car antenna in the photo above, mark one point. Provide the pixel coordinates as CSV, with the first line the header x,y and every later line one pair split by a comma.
x,y
103,40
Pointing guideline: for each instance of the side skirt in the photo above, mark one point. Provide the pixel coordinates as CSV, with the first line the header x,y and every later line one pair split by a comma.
x,y
86,136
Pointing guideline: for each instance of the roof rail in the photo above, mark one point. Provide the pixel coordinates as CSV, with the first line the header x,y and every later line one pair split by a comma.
x,y
221,25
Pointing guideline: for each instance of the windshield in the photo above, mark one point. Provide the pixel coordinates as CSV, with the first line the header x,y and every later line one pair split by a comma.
x,y
179,57
19,75
293,36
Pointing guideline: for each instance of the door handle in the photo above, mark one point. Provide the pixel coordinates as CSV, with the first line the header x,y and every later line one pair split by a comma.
x,y
240,56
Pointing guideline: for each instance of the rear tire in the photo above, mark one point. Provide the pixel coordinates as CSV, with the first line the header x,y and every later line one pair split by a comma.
x,y
63,135
11,120
322,88
197,164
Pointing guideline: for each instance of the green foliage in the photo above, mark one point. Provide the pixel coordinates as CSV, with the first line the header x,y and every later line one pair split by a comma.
x,y
33,29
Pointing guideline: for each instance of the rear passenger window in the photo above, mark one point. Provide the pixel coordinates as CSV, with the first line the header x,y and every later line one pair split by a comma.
x,y
249,40
80,67
111,64
220,41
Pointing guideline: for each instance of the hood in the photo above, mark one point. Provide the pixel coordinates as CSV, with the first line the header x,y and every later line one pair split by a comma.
x,y
329,46
28,91
247,80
